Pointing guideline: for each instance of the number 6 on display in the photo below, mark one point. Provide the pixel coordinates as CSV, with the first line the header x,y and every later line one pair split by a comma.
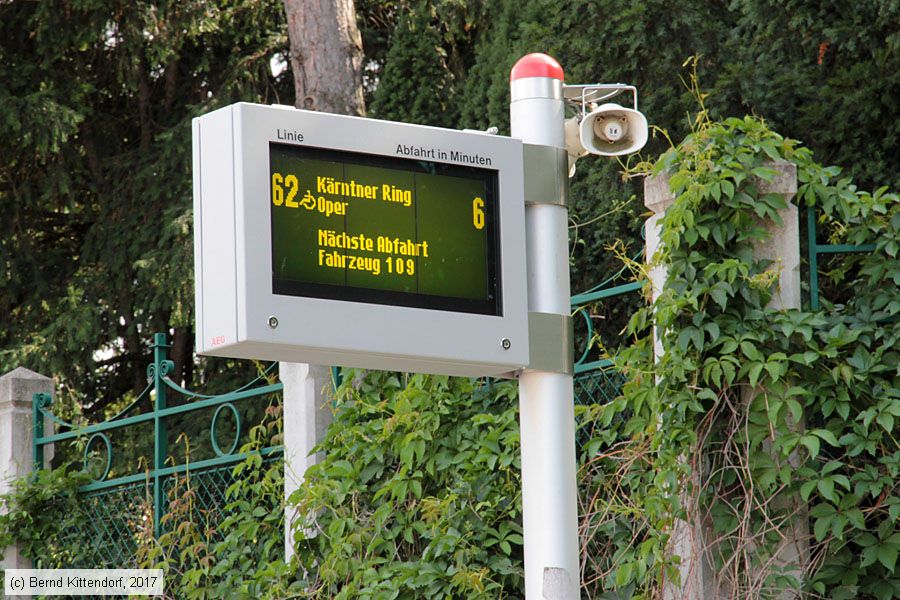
x,y
478,213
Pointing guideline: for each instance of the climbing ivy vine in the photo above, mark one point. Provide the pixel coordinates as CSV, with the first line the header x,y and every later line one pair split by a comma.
x,y
756,421
418,492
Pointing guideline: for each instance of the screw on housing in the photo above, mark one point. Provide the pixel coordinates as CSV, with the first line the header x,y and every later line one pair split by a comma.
x,y
505,343
273,322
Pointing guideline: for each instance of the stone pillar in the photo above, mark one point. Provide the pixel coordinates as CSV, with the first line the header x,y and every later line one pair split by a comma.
x,y
307,413
16,429
688,541
658,199
783,245
783,248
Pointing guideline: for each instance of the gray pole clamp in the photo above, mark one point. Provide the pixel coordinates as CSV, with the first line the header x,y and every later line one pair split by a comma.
x,y
547,334
546,175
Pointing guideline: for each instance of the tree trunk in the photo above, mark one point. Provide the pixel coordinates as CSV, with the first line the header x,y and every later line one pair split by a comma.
x,y
326,55
326,59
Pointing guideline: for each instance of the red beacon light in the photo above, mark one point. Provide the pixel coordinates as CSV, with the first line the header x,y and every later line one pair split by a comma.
x,y
536,64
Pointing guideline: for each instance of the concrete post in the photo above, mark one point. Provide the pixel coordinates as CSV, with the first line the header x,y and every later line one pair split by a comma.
x,y
783,245
16,429
307,414
698,579
783,249
658,199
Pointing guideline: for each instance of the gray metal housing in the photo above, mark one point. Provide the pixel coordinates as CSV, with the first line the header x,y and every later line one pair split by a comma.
x,y
232,246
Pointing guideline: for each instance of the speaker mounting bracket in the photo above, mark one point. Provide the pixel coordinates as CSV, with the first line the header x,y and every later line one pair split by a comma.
x,y
582,96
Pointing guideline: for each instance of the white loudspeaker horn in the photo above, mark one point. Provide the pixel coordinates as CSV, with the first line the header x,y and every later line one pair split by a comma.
x,y
613,130
573,143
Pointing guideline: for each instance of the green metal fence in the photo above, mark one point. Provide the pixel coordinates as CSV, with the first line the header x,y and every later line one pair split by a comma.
x,y
107,535
579,304
815,249
597,380
105,532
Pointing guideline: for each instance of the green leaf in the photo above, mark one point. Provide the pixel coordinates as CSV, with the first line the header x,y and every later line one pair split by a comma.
x,y
750,351
806,489
869,556
707,394
887,556
826,488
754,373
812,444
697,338
837,527
729,370
764,173
773,409
729,346
728,188
821,528
796,409
684,338
624,574
826,435
774,370
856,518
719,295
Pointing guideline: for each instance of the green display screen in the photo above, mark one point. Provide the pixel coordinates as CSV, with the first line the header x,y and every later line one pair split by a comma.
x,y
383,230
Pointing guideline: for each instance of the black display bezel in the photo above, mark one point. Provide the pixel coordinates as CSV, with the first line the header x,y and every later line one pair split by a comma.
x,y
492,305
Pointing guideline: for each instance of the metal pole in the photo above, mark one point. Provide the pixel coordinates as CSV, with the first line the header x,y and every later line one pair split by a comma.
x,y
813,259
546,400
161,438
37,401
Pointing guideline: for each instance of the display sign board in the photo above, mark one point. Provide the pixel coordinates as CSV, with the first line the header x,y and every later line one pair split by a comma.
x,y
348,241
368,228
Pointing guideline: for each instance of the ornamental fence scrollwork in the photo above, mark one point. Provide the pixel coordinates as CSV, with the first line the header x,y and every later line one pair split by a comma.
x,y
212,475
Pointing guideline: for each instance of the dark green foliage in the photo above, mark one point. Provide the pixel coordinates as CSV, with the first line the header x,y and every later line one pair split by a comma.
x,y
418,495
211,547
399,97
824,72
420,81
95,183
230,550
643,43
